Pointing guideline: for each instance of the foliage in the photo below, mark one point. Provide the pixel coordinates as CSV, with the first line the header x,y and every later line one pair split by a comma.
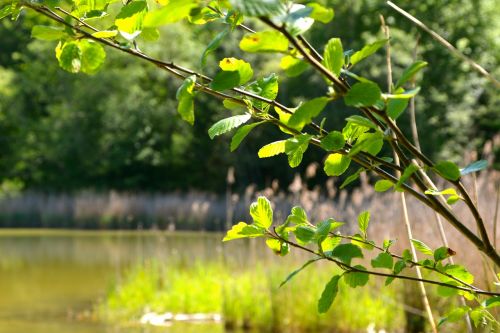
x,y
84,28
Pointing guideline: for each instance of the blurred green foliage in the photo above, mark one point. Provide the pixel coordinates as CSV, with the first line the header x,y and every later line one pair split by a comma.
x,y
120,130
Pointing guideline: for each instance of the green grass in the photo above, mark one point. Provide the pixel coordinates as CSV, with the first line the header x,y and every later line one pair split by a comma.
x,y
251,298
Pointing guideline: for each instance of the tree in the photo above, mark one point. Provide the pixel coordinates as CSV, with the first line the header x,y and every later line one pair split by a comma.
x,y
84,28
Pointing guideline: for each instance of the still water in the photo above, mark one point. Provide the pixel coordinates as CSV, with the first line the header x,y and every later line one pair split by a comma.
x,y
50,280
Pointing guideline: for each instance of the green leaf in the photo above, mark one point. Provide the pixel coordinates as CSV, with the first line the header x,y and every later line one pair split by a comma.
x,y
388,243
93,56
455,315
474,167
214,45
272,149
383,185
443,253
243,230
363,94
297,271
458,272
185,96
241,134
333,141
131,16
395,107
296,147
422,247
226,125
105,34
336,164
5,11
298,215
363,222
304,234
410,72
266,87
347,252
362,242
296,21
173,11
278,246
306,112
324,227
361,121
259,7
478,317
408,94
293,66
234,73
320,13
329,244
356,279
328,295
69,56
383,260
333,57
47,33
351,178
265,41
262,213
409,170
448,170
371,143
367,51
491,302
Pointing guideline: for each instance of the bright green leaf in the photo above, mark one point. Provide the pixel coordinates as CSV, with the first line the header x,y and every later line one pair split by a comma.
x,y
262,213
105,34
243,230
333,141
298,215
443,253
131,16
333,57
306,112
185,96
304,234
296,147
272,149
47,33
320,13
93,56
336,164
213,45
410,72
448,170
383,260
69,56
395,107
234,73
422,247
241,134
173,11
347,252
363,222
293,66
367,51
265,41
383,185
227,124
363,94
356,279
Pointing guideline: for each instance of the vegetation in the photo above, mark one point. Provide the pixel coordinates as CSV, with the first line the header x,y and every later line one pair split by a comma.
x,y
364,139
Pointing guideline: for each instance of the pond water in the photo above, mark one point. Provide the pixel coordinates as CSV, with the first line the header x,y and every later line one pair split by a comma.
x,y
50,280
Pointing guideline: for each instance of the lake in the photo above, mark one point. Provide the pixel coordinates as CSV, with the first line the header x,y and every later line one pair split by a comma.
x,y
50,280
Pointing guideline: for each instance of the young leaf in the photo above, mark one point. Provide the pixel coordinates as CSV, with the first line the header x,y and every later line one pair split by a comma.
x,y
346,252
298,215
265,41
383,260
443,253
69,56
306,112
363,94
185,96
227,124
297,271
422,247
262,213
333,141
383,185
243,230
241,134
367,51
336,164
173,11
47,33
410,72
328,295
272,149
356,279
395,107
234,73
293,66
333,57
388,243
259,7
474,167
448,170
105,34
363,221
93,56
296,147
130,18
320,13
304,234
214,45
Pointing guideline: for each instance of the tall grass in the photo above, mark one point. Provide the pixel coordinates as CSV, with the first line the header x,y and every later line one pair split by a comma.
x,y
251,298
